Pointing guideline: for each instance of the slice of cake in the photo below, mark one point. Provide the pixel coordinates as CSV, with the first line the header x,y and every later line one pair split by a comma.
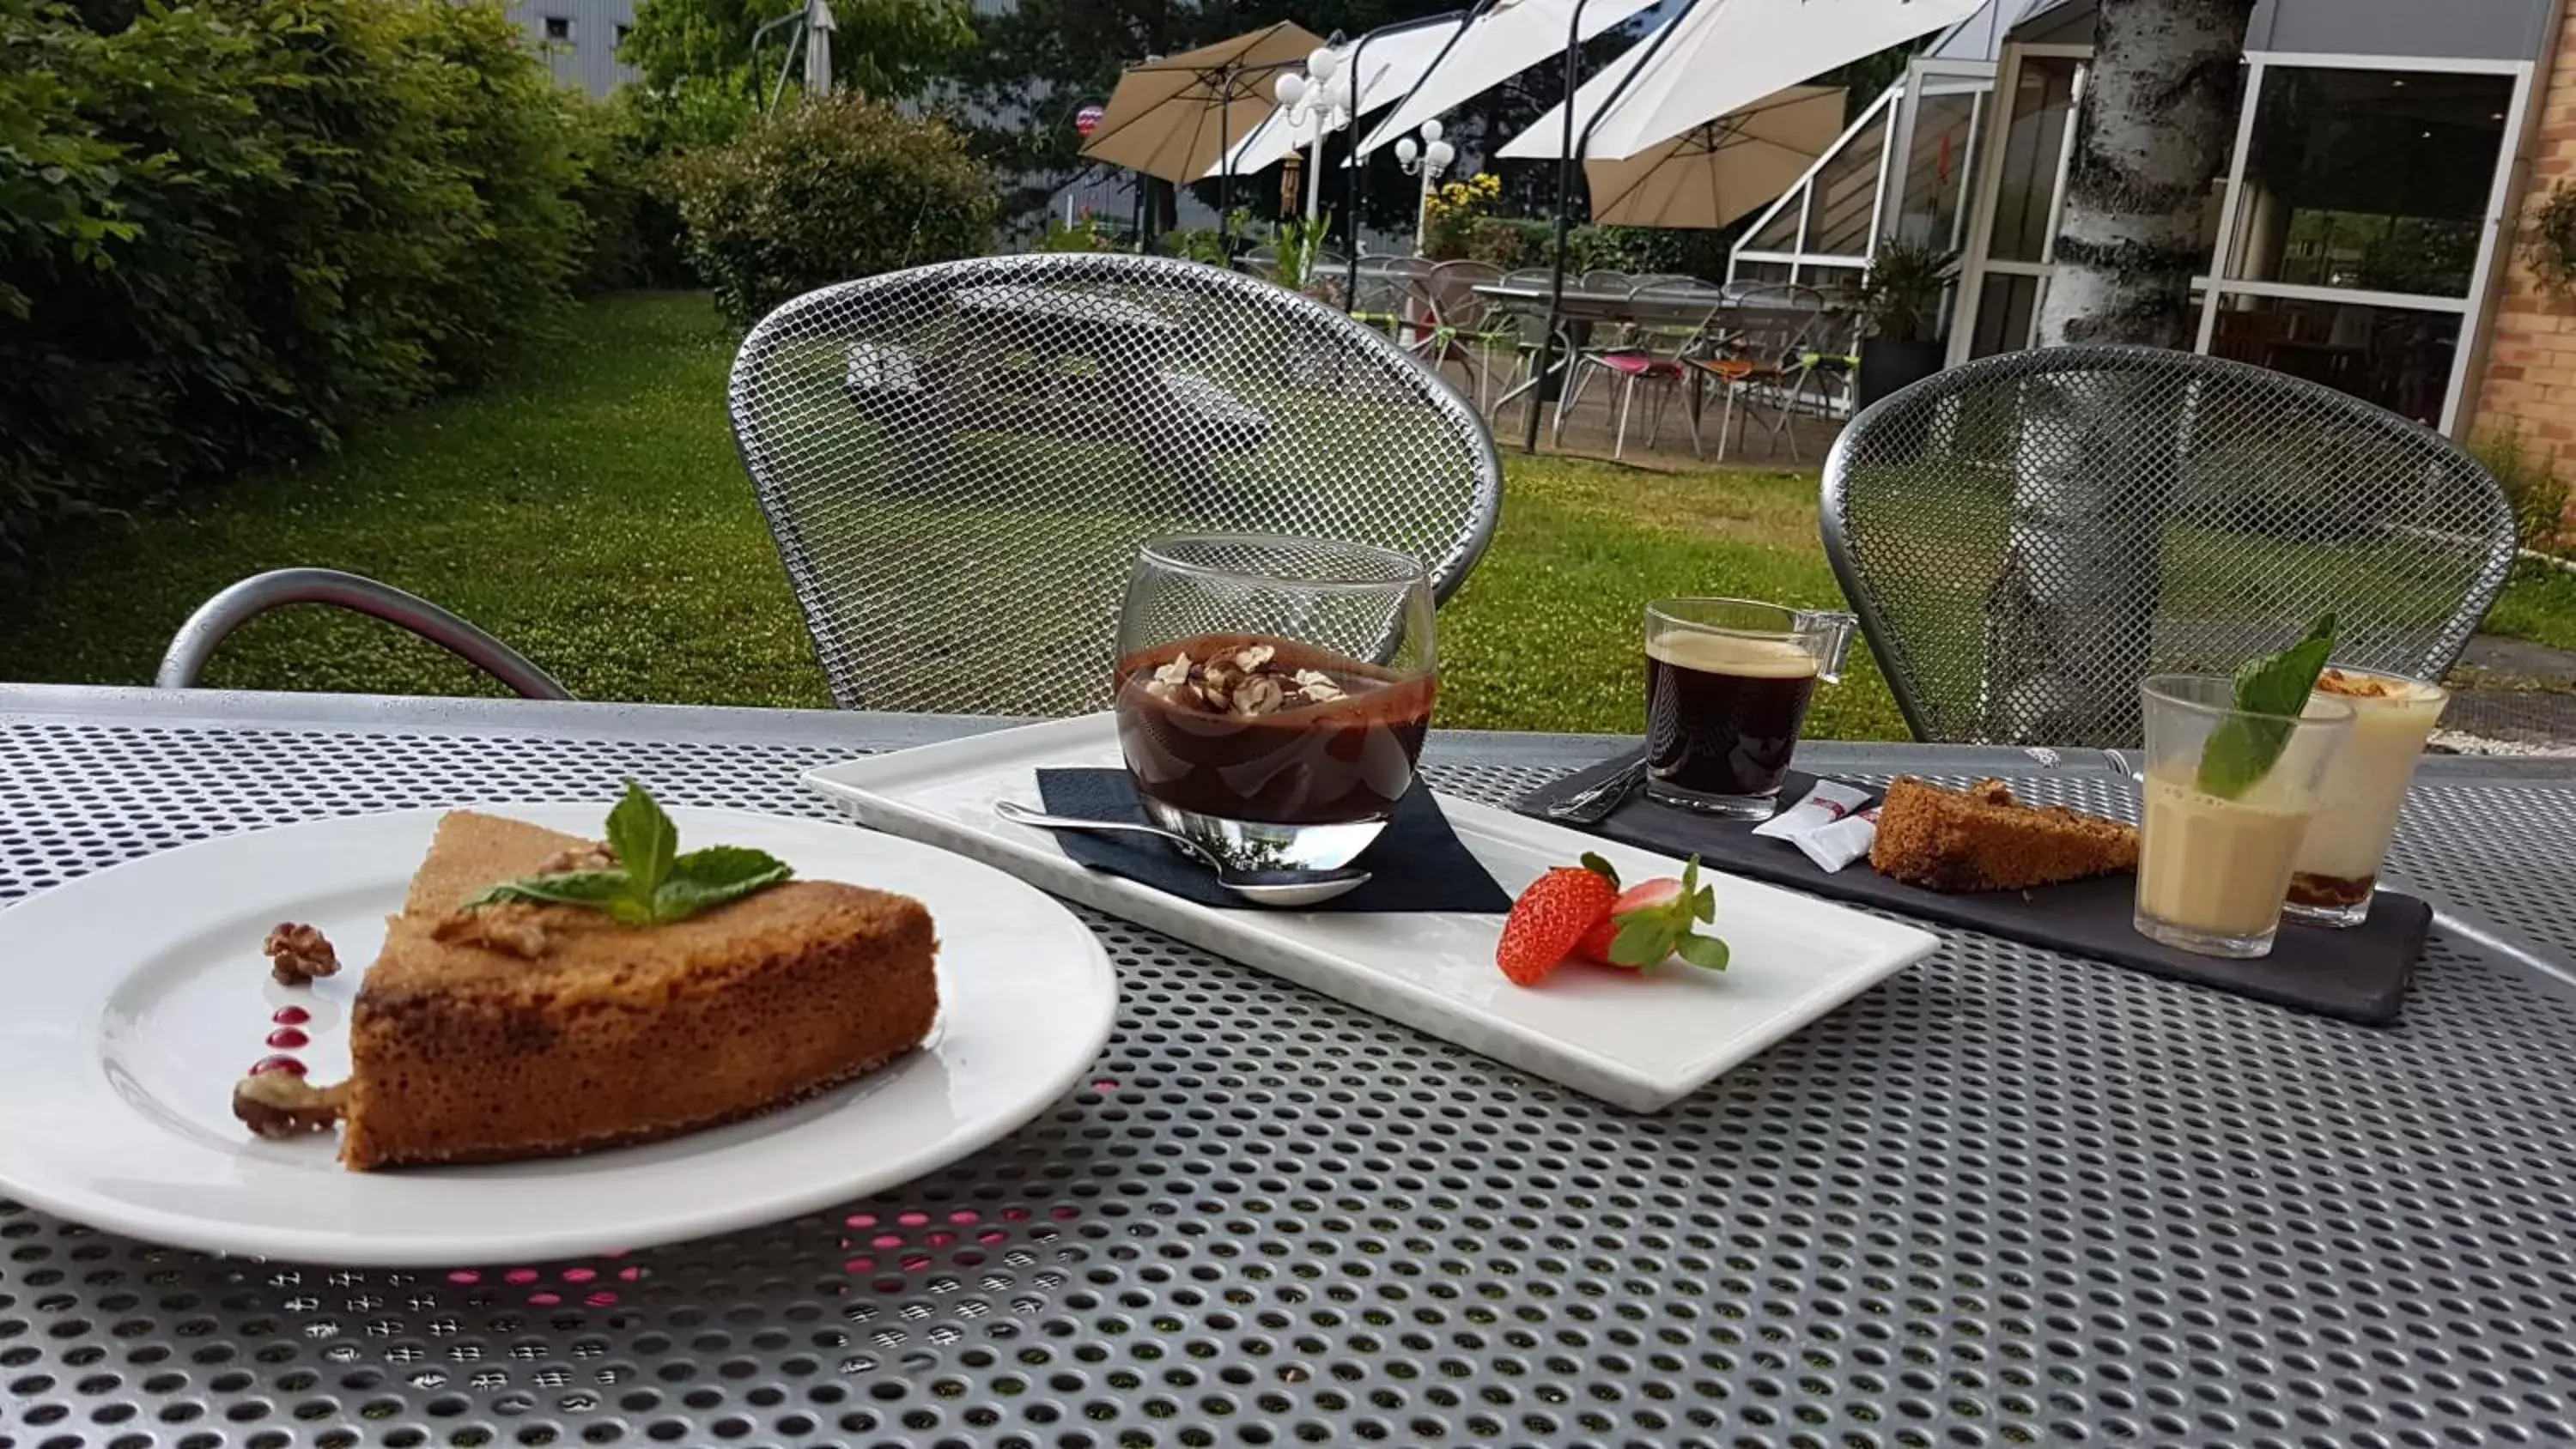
x,y
1982,839
530,1030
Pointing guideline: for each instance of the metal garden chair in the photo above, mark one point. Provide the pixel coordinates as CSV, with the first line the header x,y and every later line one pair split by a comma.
x,y
1654,352
1754,349
958,462
2027,536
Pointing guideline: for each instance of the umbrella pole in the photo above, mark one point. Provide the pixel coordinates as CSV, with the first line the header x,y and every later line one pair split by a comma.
x,y
1351,184
1224,161
1564,213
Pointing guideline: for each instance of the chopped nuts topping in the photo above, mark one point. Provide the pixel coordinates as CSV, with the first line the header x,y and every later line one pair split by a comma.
x,y
282,1104
298,953
1249,683
589,855
509,927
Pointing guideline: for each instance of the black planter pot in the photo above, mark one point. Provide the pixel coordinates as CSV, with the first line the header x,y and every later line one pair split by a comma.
x,y
1887,365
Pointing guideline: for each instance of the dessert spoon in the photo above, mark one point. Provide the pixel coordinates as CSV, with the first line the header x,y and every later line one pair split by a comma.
x,y
1286,889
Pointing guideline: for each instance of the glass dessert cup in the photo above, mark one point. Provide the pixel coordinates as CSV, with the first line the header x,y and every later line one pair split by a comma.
x,y
2212,867
2365,788
1728,682
1273,693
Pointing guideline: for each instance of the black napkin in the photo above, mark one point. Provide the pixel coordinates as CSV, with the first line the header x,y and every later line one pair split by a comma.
x,y
2356,975
1417,860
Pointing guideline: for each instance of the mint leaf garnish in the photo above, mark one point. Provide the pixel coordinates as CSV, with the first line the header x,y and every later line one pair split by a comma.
x,y
653,883
704,879
644,838
2271,691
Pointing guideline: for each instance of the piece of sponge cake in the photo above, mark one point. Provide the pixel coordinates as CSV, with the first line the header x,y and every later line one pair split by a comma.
x,y
541,1030
1982,839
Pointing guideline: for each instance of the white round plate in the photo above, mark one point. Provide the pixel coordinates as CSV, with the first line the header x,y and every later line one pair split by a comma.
x,y
132,1000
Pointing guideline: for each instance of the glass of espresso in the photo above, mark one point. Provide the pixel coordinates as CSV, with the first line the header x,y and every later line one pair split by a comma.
x,y
1728,682
1273,692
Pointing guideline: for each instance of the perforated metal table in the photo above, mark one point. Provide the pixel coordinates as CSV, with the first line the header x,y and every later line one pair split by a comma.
x,y
2007,1198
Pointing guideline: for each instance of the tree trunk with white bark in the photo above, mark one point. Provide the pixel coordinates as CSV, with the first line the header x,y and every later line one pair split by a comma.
x,y
2080,582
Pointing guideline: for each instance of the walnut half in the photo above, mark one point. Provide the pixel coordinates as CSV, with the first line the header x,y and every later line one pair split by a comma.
x,y
298,953
512,928
282,1104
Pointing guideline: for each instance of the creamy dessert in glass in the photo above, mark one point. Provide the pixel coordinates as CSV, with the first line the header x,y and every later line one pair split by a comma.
x,y
2227,802
2357,806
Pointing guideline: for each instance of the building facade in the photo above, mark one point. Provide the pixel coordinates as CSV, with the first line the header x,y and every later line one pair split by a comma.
x,y
2362,231
578,39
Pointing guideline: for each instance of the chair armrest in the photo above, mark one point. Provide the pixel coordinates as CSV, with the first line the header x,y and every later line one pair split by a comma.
x,y
219,616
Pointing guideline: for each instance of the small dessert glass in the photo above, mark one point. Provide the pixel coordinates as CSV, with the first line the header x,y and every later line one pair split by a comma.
x,y
2212,868
1728,682
2357,807
1273,692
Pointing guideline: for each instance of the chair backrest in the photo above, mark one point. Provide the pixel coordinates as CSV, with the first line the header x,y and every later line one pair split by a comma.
x,y
1453,287
1675,318
1599,280
958,461
1393,285
2027,536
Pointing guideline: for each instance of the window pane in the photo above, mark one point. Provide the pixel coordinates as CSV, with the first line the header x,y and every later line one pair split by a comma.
x,y
1846,192
2004,312
1936,169
1761,271
2043,99
2370,179
1780,233
2397,358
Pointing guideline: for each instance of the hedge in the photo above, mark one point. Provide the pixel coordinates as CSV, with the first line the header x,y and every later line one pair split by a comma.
x,y
229,228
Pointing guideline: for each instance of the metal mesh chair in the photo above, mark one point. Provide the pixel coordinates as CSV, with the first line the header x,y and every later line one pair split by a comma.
x,y
2027,536
958,461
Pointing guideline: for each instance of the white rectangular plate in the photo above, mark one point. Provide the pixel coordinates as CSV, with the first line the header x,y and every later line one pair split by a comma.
x,y
1639,1042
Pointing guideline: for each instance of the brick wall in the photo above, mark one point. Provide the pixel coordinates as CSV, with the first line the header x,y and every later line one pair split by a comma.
x,y
2528,385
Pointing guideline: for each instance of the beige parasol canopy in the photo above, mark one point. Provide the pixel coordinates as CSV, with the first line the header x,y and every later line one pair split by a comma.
x,y
1174,117
1718,170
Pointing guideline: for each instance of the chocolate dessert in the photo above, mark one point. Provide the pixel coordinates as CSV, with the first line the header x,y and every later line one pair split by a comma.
x,y
1249,728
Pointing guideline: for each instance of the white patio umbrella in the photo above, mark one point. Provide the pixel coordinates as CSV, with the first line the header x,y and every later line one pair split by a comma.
x,y
818,47
1501,40
1395,57
1721,56
1718,170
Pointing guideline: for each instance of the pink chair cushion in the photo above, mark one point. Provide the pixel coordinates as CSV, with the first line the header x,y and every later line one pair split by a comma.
x,y
1638,364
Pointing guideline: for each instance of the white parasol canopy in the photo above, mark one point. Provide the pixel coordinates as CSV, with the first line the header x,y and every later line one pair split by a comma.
x,y
818,47
1395,58
1500,41
1722,56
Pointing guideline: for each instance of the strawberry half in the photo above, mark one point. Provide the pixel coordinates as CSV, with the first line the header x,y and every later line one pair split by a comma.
x,y
1553,914
1656,920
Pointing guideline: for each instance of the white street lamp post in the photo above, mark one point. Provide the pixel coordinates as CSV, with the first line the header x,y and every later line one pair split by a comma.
x,y
1318,104
1427,161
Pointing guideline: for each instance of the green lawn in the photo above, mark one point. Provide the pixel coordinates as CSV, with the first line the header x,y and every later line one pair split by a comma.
x,y
593,513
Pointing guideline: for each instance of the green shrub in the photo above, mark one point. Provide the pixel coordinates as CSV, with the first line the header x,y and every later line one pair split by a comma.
x,y
631,233
229,228
823,191
2538,494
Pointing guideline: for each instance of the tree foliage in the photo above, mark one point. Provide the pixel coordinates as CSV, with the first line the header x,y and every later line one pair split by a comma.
x,y
888,49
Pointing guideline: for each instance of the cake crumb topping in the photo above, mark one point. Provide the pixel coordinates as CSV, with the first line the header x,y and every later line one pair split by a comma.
x,y
2361,686
282,1104
298,953
1249,683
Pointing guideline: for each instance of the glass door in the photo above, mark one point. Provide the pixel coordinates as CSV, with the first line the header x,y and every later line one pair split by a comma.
x,y
2012,236
2365,211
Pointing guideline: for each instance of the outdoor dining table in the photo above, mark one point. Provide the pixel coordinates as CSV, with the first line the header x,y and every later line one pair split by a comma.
x,y
2008,1197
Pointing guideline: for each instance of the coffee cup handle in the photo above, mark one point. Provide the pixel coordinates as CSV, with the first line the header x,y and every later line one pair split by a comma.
x,y
1828,635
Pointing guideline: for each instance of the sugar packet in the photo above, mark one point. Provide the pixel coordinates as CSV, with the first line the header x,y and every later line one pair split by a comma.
x,y
1829,826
